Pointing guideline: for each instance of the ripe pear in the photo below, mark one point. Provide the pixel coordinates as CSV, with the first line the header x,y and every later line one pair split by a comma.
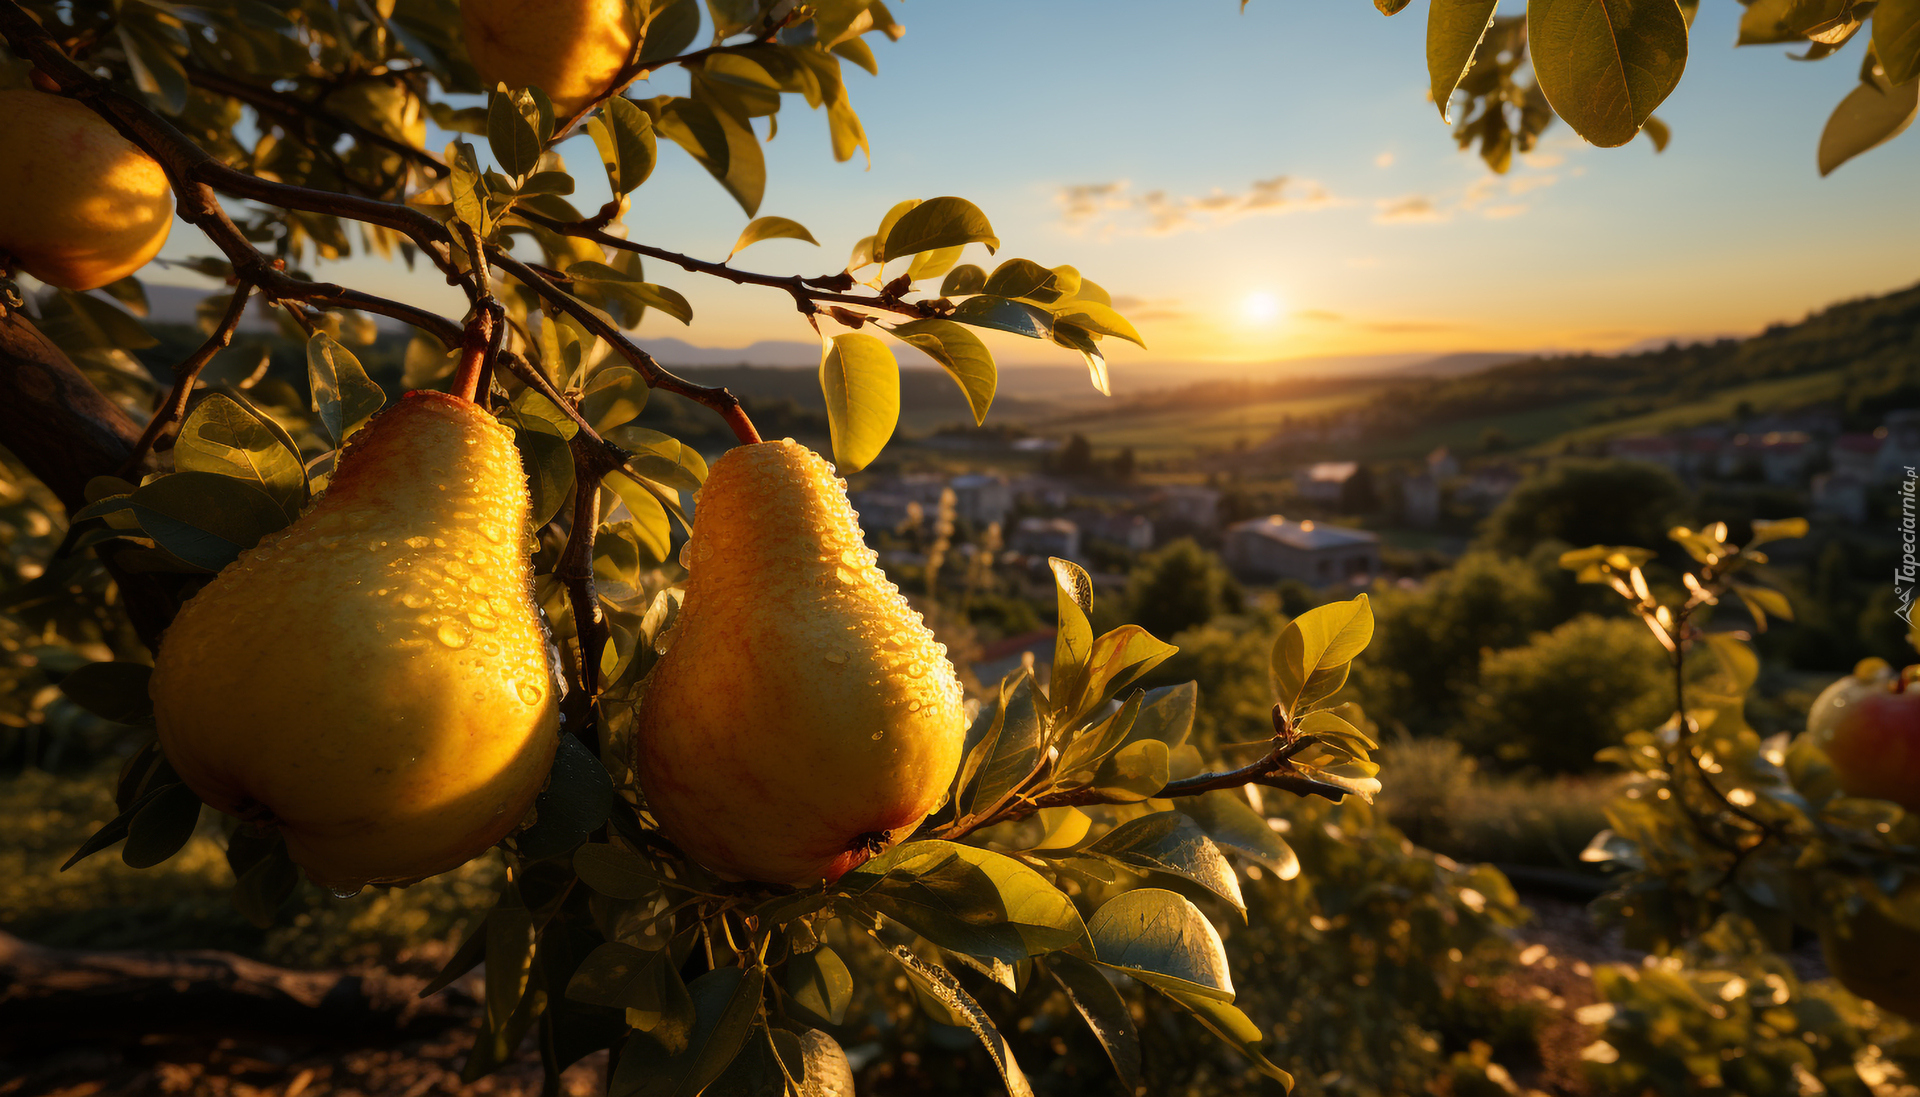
x,y
803,718
569,49
374,679
80,206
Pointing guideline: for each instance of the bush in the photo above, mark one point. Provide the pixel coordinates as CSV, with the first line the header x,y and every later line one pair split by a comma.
x,y
1556,702
1584,502
1443,801
1178,587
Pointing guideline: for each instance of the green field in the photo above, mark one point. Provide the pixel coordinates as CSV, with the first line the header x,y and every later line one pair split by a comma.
x,y
1184,431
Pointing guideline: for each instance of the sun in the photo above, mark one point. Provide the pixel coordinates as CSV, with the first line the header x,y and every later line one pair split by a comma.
x,y
1260,307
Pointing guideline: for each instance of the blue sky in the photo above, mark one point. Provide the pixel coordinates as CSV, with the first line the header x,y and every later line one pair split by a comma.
x,y
1382,236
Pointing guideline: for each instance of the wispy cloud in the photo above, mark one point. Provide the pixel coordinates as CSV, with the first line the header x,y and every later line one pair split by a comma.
x,y
1408,209
1481,196
1115,209
1150,309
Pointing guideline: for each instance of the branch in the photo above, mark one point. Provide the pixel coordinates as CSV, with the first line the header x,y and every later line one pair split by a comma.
x,y
725,403
184,375
300,111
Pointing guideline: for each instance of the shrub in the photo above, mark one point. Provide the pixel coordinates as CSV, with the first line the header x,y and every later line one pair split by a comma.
x,y
1442,799
1585,502
1557,701
1178,587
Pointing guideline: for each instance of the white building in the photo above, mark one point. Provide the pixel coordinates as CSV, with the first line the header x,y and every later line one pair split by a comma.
x,y
1194,504
1324,482
981,498
1311,552
1046,537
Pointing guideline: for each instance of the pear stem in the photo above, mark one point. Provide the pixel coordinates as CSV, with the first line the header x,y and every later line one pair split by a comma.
x,y
477,350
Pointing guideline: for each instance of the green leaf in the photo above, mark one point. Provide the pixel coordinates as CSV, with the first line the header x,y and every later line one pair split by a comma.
x,y
725,1001
264,876
1331,727
1098,318
1024,278
1896,39
967,899
1161,939
693,126
1074,337
861,382
672,26
575,803
1014,750
941,985
1454,31
771,228
515,145
1073,639
549,465
965,358
1105,1012
112,691
1310,659
1167,715
1231,823
1138,771
616,873
1230,1024
1784,529
945,222
820,983
613,397
1871,115
1604,65
205,519
987,311
619,976
963,280
1115,661
1171,842
469,190
342,393
624,135
1081,755
159,830
223,436
932,264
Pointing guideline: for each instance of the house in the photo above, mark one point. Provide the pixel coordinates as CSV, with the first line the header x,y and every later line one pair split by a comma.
x,y
1841,496
1488,487
1045,537
1129,531
884,510
981,498
1324,482
1779,457
1420,500
1900,445
1855,455
1312,552
1193,504
1442,464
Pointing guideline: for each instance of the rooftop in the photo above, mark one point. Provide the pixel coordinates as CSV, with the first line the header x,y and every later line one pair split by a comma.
x,y
1306,534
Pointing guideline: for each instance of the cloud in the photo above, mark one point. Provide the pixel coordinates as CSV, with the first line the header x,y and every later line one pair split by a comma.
x,y
1409,209
1501,213
1114,209
1143,309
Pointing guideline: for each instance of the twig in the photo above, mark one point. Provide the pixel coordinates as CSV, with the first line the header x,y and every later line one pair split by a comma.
x,y
293,108
184,375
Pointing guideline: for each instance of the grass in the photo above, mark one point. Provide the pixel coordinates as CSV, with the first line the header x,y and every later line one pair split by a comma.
x,y
1435,793
1180,431
183,902
1720,407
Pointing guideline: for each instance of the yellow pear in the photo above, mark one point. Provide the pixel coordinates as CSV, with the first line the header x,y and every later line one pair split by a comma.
x,y
80,206
803,718
374,679
570,49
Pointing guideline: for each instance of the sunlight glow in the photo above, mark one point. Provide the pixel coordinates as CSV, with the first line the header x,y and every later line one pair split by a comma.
x,y
1260,308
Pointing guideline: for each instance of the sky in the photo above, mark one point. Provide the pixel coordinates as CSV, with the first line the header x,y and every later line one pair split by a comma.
x,y
1260,186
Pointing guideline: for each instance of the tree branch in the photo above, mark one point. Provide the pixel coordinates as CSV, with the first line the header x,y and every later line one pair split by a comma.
x,y
184,375
294,109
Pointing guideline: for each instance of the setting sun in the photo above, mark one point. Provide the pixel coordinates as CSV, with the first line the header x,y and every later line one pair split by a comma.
x,y
1260,308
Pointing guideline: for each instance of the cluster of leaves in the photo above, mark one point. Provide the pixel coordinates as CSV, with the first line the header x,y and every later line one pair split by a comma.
x,y
1729,1016
1721,821
1605,68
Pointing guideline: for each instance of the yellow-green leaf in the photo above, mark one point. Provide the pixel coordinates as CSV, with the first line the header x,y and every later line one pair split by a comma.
x,y
1604,65
1872,114
861,382
1454,31
945,222
1896,39
963,355
771,228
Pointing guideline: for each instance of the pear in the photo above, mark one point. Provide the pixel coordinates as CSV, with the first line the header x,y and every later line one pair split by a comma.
x,y
803,718
569,49
80,206
373,679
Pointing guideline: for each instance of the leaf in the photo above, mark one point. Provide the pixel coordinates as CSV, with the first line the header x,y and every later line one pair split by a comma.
x,y
965,358
967,899
1228,1022
945,222
1310,658
987,311
1162,939
112,691
725,1003
932,264
1014,752
612,398
1098,318
616,873
1078,338
620,976
1167,715
771,228
1073,639
159,830
468,190
1231,823
1170,842
1896,39
549,465
1114,662
940,983
1136,772
1024,278
624,135
861,382
575,803
205,519
1871,115
222,436
1105,1012
1455,29
1604,65
819,983
512,138
963,280
1783,529
342,393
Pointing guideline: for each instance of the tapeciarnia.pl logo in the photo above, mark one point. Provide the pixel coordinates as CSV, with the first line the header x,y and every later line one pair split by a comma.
x,y
1907,573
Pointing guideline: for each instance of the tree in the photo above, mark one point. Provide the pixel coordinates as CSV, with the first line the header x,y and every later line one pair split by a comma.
x,y
1178,586
1586,502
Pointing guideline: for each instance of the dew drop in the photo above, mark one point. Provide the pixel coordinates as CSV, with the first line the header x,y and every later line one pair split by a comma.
x,y
835,655
529,693
418,542
341,893
483,620
879,735
413,599
454,634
